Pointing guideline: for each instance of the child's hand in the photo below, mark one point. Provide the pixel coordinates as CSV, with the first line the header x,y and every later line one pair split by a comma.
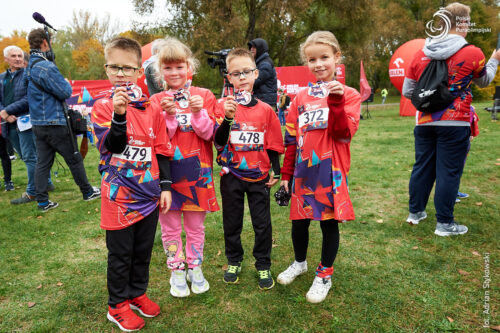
x,y
120,100
167,104
335,87
230,106
196,103
284,183
165,201
272,181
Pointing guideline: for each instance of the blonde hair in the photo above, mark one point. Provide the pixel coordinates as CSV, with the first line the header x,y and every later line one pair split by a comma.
x,y
173,50
319,37
239,52
456,12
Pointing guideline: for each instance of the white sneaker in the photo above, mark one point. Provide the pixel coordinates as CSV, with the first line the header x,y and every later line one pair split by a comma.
x,y
178,285
198,282
294,270
414,218
319,289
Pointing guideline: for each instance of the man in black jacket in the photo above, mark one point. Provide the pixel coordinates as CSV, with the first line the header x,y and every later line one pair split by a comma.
x,y
266,85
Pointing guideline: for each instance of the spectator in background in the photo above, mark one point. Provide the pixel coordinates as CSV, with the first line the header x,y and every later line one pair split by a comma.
x,y
154,81
47,90
384,94
266,85
14,109
282,106
6,165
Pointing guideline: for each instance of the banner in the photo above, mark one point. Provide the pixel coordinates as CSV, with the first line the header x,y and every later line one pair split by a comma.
x,y
86,92
364,86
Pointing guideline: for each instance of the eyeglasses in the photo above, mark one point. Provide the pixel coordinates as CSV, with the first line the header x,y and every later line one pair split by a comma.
x,y
126,70
245,73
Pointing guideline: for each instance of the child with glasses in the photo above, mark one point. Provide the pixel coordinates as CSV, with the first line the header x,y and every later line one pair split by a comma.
x,y
189,114
320,124
135,168
249,142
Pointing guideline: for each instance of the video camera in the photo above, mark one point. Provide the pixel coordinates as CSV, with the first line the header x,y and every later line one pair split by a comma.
x,y
220,61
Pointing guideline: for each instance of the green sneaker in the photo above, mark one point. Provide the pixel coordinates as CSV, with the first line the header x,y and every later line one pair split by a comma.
x,y
231,274
266,280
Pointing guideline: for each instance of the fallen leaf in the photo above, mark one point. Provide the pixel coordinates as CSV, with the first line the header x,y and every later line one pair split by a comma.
x,y
224,267
479,203
67,180
397,163
31,304
39,286
59,284
52,233
83,222
380,221
495,328
415,248
97,209
65,210
39,217
219,253
462,272
450,319
476,253
362,222
88,212
497,163
274,245
498,159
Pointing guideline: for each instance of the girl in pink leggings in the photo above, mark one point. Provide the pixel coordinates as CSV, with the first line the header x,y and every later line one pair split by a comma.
x,y
189,113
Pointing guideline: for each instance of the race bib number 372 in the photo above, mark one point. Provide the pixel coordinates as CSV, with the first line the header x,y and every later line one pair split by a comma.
x,y
314,119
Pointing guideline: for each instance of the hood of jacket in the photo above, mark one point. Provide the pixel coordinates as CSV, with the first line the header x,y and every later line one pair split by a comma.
x,y
442,49
261,46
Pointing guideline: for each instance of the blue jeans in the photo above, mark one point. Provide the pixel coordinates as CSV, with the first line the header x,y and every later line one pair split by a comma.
x,y
440,152
281,116
24,143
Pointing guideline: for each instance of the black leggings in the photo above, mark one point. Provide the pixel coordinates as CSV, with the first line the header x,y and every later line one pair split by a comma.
x,y
6,164
330,246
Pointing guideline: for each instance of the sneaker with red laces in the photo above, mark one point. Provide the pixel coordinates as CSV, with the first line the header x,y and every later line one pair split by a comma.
x,y
125,318
145,306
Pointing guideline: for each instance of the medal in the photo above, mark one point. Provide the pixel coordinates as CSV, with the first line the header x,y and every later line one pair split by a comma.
x,y
242,97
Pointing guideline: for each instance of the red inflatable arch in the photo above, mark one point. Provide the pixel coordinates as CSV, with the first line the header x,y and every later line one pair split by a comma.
x,y
397,70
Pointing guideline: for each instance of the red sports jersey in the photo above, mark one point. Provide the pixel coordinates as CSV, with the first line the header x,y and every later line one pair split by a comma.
x,y
463,66
322,162
191,167
130,187
254,130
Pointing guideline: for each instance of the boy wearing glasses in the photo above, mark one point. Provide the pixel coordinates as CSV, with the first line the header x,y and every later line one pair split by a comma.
x,y
249,142
134,147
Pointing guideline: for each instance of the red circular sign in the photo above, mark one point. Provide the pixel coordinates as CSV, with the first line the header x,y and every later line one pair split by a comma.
x,y
401,59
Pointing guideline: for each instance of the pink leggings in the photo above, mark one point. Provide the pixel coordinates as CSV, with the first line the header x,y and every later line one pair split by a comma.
x,y
171,229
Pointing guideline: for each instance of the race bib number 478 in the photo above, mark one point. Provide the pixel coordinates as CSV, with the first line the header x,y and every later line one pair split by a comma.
x,y
247,138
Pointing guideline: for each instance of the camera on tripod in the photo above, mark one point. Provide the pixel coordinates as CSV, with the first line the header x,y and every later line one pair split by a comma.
x,y
220,61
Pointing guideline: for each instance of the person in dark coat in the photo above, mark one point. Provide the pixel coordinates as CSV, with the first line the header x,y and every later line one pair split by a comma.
x,y
266,85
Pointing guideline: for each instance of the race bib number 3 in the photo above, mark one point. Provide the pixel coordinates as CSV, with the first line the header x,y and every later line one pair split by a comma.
x,y
184,119
247,138
314,118
135,154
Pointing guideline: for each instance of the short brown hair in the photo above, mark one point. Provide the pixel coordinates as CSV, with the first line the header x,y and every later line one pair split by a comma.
x,y
239,52
456,12
36,38
124,44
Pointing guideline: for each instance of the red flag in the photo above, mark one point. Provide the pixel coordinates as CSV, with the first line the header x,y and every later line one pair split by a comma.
x,y
364,87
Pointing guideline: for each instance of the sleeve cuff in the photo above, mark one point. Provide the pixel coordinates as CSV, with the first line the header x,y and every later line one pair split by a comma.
x,y
120,119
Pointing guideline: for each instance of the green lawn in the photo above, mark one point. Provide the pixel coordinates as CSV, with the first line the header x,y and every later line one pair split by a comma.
x,y
389,276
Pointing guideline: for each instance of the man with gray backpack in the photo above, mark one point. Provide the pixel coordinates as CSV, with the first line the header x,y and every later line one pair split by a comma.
x,y
438,83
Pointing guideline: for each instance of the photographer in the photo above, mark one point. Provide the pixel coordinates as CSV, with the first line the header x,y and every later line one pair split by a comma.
x,y
266,85
47,89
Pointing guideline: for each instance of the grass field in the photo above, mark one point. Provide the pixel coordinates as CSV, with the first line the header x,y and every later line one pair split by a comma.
x,y
389,276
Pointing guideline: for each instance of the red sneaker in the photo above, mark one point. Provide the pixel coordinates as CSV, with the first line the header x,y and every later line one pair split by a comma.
x,y
145,306
125,318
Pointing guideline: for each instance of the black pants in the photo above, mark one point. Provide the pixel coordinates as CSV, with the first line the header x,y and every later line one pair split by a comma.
x,y
50,140
329,247
6,164
129,255
233,194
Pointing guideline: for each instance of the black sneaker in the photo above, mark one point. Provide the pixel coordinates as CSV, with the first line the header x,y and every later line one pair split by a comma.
x,y
48,206
231,274
96,193
266,281
9,186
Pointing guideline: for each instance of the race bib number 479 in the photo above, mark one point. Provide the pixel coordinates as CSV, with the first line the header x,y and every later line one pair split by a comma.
x,y
135,154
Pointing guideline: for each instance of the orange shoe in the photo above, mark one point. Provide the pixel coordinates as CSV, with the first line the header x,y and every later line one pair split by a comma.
x,y
145,306
125,318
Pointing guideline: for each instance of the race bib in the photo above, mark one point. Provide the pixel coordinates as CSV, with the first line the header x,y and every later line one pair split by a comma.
x,y
314,119
135,154
247,138
184,119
